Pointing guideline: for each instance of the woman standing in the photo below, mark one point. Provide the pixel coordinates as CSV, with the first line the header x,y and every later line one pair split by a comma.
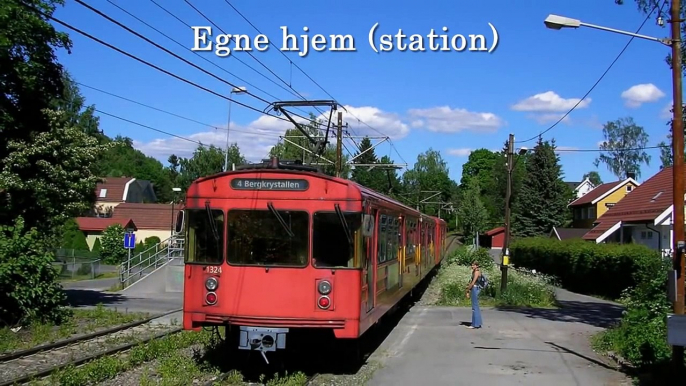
x,y
473,292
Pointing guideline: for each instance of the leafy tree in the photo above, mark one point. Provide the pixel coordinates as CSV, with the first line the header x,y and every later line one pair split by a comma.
x,y
31,76
29,290
430,173
315,128
624,140
495,188
48,178
75,113
593,177
122,160
204,162
471,210
97,247
480,165
543,199
112,240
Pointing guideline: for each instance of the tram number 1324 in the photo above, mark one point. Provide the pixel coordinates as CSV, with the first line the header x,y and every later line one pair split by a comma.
x,y
213,269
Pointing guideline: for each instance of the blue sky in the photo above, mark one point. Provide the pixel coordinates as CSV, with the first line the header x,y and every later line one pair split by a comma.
x,y
451,101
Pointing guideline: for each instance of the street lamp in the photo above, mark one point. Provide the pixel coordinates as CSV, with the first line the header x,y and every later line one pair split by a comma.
x,y
175,190
558,22
508,197
235,90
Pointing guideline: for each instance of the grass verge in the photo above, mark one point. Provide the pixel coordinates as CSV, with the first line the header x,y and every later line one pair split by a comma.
x,y
82,321
105,368
106,275
523,289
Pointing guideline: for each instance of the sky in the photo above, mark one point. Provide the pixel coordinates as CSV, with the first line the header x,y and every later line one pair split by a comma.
x,y
451,101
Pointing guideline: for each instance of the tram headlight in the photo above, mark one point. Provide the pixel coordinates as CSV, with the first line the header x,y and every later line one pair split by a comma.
x,y
324,287
211,284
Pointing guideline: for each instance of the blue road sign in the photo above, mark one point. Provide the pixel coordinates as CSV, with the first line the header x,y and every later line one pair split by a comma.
x,y
129,240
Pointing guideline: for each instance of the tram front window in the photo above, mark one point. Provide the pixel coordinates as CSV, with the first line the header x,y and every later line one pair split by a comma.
x,y
335,238
267,237
204,236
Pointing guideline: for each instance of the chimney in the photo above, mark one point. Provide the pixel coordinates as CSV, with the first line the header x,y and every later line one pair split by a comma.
x,y
631,175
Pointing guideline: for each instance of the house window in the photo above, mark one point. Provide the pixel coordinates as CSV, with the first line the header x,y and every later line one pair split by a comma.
x,y
629,188
590,214
103,193
646,235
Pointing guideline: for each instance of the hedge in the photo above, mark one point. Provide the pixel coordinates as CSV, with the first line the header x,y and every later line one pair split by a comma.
x,y
587,267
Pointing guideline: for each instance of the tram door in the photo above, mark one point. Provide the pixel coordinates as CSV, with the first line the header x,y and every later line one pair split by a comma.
x,y
369,269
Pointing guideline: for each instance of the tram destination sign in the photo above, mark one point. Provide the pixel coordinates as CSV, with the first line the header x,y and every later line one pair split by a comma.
x,y
269,184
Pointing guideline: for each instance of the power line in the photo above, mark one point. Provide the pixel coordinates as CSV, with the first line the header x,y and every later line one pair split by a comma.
x,y
174,114
185,47
102,14
149,127
608,150
232,56
286,56
599,79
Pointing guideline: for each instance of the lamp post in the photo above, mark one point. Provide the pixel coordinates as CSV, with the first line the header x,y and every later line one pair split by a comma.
x,y
235,90
558,22
508,197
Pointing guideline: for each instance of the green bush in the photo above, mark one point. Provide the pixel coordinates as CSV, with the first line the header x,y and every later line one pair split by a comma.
x,y
97,247
73,237
640,336
151,241
464,255
612,267
523,289
113,251
29,287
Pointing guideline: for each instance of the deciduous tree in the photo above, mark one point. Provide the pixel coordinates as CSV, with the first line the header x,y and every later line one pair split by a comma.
x,y
430,173
471,211
593,177
204,162
623,147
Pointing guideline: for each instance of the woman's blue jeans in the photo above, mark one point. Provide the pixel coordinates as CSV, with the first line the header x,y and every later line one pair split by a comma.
x,y
476,311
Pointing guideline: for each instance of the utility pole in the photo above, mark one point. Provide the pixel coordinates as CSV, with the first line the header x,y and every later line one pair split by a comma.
x,y
508,195
339,145
678,174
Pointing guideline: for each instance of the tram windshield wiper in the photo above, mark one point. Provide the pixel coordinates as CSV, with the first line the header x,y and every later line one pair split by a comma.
x,y
281,220
213,224
346,229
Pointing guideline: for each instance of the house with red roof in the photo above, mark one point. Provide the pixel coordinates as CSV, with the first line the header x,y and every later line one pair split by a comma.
x,y
591,206
93,227
116,190
644,216
150,219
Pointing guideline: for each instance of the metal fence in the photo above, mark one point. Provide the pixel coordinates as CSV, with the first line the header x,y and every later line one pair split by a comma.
x,y
75,264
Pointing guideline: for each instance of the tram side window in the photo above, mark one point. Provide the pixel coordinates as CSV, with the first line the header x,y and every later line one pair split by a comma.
x,y
204,242
330,245
258,237
392,238
382,239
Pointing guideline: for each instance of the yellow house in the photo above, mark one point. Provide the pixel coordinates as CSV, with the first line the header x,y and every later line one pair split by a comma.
x,y
595,203
92,227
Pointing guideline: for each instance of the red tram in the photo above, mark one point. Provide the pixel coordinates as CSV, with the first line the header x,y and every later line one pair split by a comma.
x,y
272,249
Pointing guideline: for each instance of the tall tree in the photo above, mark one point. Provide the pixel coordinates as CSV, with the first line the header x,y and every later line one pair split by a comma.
x,y
593,177
622,148
495,188
376,178
204,162
471,211
543,199
430,173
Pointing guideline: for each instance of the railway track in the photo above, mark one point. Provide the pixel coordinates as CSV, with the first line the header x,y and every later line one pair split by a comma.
x,y
38,362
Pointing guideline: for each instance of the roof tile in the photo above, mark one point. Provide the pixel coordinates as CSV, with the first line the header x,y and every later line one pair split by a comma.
x,y
645,203
114,189
99,224
148,216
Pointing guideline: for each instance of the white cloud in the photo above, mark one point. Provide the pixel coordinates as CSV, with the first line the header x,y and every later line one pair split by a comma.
x,y
447,120
460,152
381,122
636,95
257,138
548,102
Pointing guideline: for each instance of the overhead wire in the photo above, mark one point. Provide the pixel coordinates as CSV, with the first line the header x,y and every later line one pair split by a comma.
x,y
149,127
174,114
185,47
599,79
